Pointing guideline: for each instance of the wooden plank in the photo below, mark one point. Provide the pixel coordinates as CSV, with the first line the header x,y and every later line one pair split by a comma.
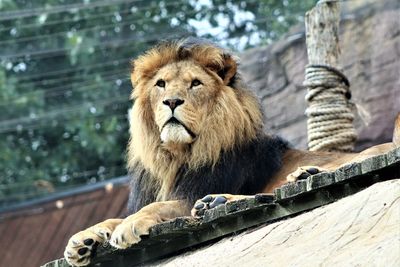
x,y
320,180
13,227
348,171
57,263
63,233
393,156
26,242
91,202
20,235
119,203
3,227
101,208
291,190
373,164
54,220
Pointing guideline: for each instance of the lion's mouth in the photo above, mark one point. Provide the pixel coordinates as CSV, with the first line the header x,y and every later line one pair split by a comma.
x,y
174,120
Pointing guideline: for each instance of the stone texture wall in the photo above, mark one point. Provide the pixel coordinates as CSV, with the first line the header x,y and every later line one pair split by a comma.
x,y
370,45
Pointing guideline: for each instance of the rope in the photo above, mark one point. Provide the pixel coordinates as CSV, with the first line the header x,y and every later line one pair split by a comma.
x,y
330,119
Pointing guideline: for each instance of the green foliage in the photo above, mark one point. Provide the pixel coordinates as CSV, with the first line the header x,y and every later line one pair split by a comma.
x,y
64,78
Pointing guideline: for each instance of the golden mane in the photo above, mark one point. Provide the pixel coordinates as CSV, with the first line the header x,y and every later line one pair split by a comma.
x,y
234,119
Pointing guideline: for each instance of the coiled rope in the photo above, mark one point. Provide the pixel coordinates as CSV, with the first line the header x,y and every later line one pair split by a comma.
x,y
330,119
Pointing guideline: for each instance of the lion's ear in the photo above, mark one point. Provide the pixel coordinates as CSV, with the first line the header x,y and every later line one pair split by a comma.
x,y
229,69
225,68
134,74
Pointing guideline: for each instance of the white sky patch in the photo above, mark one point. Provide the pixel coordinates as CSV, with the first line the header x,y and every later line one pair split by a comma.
x,y
220,32
117,16
19,67
242,16
174,22
42,18
204,27
201,3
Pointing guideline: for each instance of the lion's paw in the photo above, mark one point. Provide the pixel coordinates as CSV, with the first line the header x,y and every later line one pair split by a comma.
x,y
129,232
303,172
212,201
82,246
206,203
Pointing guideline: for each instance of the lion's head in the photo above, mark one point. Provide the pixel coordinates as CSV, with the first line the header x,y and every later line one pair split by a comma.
x,y
189,107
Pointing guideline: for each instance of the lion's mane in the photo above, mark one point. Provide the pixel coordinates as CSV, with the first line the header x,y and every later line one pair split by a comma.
x,y
230,155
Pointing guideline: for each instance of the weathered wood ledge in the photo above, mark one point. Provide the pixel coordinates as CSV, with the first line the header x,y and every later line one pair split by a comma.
x,y
291,199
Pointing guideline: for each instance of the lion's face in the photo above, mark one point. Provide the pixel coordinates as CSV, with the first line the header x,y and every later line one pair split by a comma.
x,y
189,107
181,93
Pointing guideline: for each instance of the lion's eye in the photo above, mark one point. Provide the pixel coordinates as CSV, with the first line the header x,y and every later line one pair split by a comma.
x,y
160,83
195,82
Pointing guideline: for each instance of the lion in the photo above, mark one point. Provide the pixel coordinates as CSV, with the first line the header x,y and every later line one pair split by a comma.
x,y
195,131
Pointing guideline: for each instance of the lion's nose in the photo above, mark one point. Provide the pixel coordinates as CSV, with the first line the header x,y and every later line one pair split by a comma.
x,y
173,103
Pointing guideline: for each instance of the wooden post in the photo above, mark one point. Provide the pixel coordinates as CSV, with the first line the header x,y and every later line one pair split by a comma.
x,y
329,112
322,27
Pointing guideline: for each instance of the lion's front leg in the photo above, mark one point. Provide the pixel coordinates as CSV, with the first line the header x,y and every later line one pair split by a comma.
x,y
121,233
82,245
131,229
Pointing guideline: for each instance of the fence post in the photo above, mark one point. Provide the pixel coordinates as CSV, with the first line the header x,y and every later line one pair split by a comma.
x,y
330,118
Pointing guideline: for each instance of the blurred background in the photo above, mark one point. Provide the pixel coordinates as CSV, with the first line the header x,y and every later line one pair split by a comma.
x,y
64,78
64,95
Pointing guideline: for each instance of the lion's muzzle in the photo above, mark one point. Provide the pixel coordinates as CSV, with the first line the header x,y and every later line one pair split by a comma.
x,y
176,132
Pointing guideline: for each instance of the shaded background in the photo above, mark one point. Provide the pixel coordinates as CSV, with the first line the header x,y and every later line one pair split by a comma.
x,y
64,78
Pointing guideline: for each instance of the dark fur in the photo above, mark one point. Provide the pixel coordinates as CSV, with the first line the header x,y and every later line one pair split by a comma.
x,y
143,190
245,170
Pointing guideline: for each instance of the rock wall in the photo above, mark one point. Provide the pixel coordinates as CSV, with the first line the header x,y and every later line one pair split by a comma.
x,y
359,230
370,45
